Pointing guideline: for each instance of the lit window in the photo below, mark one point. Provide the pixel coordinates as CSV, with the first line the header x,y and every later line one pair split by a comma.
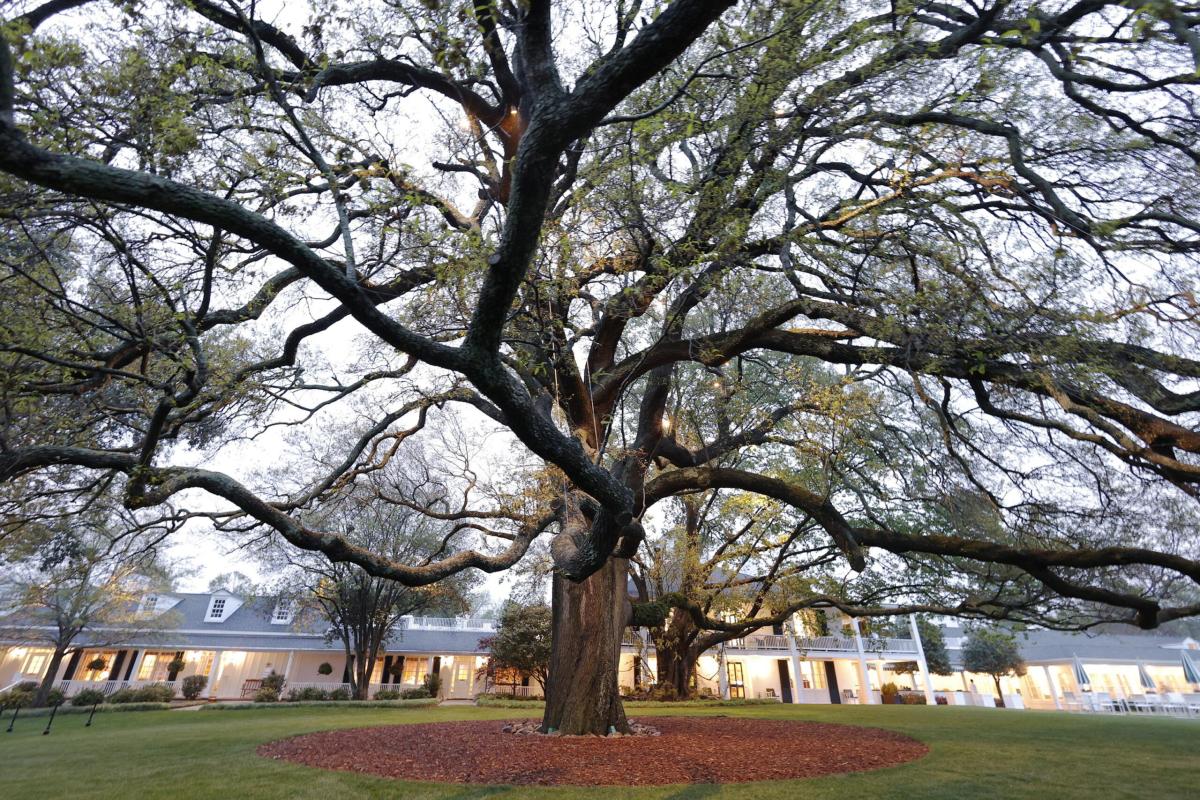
x,y
737,680
462,673
217,610
414,670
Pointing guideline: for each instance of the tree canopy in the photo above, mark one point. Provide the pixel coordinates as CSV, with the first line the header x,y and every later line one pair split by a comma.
x,y
522,641
993,652
922,273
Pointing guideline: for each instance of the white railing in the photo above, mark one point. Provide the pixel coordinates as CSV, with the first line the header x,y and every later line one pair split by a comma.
x,y
835,644
815,696
768,642
838,644
73,687
509,689
327,686
448,623
631,639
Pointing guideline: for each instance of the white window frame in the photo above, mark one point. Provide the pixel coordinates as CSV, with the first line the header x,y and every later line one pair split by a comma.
x,y
285,610
216,609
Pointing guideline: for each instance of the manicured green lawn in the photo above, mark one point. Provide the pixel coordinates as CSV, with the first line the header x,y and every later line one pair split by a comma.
x,y
974,753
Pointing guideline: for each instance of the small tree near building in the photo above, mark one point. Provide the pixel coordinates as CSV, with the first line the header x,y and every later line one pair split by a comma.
x,y
522,641
995,653
80,586
362,611
934,645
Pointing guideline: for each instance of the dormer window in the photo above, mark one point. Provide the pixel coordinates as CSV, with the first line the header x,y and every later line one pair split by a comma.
x,y
284,611
150,604
216,610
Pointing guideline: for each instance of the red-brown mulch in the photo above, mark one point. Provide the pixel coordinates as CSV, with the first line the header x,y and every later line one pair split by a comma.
x,y
690,750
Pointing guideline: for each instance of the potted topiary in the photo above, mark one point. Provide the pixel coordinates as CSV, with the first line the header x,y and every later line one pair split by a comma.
x,y
890,693
193,685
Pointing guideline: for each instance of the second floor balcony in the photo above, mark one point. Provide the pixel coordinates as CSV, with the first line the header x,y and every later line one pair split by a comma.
x,y
811,646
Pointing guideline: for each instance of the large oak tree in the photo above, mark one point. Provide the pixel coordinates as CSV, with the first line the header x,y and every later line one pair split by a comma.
x,y
921,272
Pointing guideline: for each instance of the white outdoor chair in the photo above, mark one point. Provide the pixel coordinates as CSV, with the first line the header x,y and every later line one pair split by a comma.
x,y
1173,703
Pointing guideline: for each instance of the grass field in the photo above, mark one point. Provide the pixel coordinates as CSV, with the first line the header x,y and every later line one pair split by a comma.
x,y
974,753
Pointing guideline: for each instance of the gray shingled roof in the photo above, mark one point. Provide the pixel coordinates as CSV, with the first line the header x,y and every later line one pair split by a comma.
x,y
1058,646
249,627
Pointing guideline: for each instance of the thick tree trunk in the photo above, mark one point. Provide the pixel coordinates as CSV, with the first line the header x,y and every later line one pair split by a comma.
x,y
675,654
676,668
582,693
43,693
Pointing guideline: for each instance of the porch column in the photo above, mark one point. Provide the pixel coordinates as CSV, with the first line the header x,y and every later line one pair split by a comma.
x,y
287,668
136,666
722,672
215,673
794,652
864,680
921,664
1053,686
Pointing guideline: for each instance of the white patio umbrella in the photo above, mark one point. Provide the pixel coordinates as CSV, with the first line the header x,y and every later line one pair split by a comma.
x,y
1081,676
1191,673
1144,677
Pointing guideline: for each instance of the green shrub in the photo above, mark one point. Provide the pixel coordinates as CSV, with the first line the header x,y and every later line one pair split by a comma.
x,y
266,695
88,697
154,693
56,697
658,693
15,698
274,682
387,694
433,684
193,685
415,694
307,694
123,696
340,693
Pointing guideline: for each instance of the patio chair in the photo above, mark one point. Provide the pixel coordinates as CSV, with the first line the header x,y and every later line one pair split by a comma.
x,y
1173,703
1071,702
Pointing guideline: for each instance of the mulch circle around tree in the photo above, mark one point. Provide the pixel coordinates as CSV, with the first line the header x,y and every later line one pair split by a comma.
x,y
689,750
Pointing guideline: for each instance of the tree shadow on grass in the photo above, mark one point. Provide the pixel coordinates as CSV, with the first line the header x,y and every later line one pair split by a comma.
x,y
476,792
695,791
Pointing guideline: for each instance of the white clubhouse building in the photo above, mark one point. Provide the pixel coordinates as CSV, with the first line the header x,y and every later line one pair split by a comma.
x,y
236,641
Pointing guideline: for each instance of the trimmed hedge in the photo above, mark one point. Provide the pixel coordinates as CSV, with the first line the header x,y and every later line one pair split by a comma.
x,y
153,693
88,697
510,702
507,702
322,704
